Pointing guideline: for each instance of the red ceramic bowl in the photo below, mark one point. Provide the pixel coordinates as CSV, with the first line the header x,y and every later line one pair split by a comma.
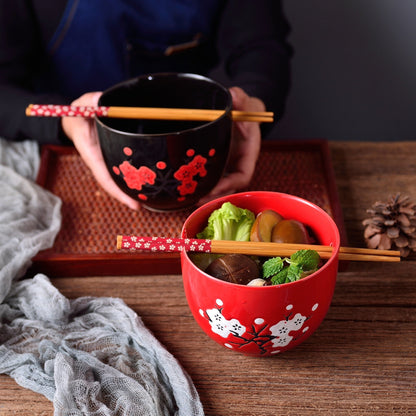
x,y
265,320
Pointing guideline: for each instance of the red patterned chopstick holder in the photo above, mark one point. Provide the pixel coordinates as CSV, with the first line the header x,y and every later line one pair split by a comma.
x,y
166,244
50,110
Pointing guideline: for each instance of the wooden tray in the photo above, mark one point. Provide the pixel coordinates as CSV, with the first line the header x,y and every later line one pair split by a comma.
x,y
91,220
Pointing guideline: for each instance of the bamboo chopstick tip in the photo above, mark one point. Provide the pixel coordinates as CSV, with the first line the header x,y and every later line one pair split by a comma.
x,y
119,242
29,110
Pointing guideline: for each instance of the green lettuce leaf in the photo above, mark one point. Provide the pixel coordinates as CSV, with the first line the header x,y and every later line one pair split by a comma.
x,y
229,223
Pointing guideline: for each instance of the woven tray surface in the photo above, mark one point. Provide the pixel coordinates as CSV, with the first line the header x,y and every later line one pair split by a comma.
x,y
91,219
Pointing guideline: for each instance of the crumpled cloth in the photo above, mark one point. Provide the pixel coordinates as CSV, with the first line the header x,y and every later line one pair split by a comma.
x,y
90,356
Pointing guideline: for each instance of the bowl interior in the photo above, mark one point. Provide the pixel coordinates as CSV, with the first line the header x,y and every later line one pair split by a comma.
x,y
289,206
165,90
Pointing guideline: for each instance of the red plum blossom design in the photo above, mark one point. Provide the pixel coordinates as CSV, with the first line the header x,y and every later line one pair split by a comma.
x,y
160,178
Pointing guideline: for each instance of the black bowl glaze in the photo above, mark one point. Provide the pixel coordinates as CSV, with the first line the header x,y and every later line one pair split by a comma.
x,y
166,165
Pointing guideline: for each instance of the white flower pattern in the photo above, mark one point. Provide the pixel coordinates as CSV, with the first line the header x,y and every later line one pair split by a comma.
x,y
222,326
281,330
268,338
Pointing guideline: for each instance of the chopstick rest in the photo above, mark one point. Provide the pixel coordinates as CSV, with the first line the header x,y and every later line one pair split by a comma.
x,y
149,113
167,244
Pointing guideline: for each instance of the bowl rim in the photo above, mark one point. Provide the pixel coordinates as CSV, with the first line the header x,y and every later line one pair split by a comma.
x,y
328,263
150,76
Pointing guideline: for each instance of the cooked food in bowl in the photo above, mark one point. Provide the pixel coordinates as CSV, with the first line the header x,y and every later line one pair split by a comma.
x,y
230,222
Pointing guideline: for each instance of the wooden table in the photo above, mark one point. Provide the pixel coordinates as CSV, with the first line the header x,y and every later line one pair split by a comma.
x,y
361,360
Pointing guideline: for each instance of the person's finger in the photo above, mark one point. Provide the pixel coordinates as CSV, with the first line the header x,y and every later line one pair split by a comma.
x,y
94,160
90,98
84,136
242,101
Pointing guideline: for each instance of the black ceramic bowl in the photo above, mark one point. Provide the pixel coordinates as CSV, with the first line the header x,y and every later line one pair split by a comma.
x,y
166,165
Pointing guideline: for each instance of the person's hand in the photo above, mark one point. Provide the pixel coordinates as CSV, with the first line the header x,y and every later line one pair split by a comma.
x,y
83,134
244,149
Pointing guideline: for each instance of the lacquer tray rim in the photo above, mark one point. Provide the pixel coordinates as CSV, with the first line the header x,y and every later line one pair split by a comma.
x,y
123,264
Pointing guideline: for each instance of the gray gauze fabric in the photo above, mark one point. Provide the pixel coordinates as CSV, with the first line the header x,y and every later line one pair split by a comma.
x,y
90,356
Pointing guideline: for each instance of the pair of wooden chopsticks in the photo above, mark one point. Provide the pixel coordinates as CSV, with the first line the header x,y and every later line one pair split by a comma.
x,y
148,113
166,244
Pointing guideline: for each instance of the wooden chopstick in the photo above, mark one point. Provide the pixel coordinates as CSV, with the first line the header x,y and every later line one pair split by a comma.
x,y
281,249
148,113
152,113
166,244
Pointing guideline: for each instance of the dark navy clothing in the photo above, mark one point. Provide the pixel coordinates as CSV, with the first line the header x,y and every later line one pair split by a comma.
x,y
99,43
55,52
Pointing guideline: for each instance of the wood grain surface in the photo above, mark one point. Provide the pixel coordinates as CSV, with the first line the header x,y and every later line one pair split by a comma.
x,y
360,361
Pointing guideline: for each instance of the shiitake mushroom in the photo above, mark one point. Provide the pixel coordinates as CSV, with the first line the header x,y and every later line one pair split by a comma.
x,y
234,268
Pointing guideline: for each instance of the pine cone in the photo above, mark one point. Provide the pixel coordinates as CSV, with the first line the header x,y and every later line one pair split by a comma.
x,y
392,225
